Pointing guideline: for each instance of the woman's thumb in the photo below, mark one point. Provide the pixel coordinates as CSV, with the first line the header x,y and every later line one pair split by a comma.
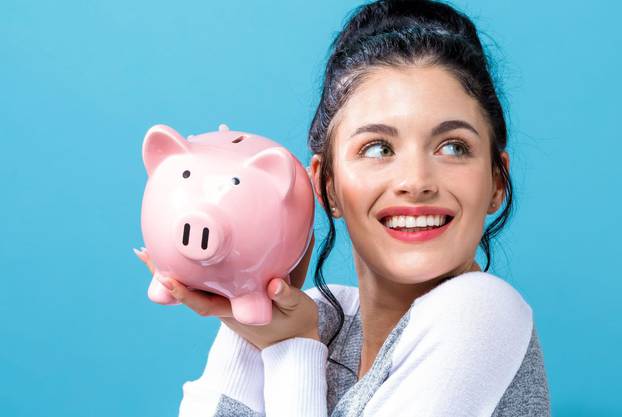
x,y
283,294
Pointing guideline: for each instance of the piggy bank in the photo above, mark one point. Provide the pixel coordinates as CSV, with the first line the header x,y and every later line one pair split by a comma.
x,y
224,212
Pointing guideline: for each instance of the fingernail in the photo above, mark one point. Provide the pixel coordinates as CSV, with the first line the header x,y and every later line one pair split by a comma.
x,y
279,288
138,253
166,282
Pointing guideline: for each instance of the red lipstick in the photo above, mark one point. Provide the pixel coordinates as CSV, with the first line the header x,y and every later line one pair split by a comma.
x,y
420,236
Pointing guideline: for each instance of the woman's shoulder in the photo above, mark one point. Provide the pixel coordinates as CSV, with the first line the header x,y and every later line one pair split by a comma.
x,y
476,291
328,316
477,295
479,283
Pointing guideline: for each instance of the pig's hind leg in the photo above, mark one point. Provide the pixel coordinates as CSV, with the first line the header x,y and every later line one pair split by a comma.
x,y
158,293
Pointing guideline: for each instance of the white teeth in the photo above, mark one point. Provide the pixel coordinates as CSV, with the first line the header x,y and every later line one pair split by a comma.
x,y
415,221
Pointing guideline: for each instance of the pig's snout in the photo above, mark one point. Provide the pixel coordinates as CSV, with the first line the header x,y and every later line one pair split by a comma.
x,y
202,237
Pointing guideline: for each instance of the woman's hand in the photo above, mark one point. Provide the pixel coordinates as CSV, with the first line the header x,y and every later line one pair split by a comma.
x,y
294,313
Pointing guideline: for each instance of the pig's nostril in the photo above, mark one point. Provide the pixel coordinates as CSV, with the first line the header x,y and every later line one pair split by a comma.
x,y
186,234
205,238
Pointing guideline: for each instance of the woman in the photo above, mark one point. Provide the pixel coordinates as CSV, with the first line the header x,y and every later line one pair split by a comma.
x,y
409,149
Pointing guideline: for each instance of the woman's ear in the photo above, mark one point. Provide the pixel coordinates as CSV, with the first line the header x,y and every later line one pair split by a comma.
x,y
314,170
499,191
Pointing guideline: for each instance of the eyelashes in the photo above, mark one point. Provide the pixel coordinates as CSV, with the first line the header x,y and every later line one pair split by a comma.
x,y
466,149
372,144
460,144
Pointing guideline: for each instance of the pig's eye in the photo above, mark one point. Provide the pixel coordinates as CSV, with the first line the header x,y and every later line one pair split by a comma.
x,y
235,180
186,174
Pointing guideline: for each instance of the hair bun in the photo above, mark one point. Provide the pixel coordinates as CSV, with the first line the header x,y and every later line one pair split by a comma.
x,y
386,17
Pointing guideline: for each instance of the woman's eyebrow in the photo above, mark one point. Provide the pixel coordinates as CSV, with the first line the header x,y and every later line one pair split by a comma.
x,y
448,125
376,128
443,127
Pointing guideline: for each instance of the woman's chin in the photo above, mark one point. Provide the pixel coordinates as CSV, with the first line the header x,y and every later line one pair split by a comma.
x,y
417,273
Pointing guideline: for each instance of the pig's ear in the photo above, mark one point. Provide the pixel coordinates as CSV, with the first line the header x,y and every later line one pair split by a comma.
x,y
278,163
160,142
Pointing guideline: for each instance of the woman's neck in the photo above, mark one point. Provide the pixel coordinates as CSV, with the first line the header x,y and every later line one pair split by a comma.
x,y
383,303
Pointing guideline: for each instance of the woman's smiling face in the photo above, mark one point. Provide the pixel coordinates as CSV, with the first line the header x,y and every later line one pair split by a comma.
x,y
410,137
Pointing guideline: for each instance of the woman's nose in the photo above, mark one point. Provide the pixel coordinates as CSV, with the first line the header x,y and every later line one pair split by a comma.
x,y
416,177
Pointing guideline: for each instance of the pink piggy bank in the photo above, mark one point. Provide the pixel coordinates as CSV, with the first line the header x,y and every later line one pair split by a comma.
x,y
224,212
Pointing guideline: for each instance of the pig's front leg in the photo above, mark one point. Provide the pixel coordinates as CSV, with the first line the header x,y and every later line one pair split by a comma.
x,y
158,293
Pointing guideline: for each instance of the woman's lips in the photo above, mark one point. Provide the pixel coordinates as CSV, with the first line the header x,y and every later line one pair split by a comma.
x,y
420,236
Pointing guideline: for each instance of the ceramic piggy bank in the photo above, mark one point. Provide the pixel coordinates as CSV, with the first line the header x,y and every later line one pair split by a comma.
x,y
224,212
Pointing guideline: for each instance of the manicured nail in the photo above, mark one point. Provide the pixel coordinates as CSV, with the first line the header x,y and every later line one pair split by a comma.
x,y
166,282
138,253
279,288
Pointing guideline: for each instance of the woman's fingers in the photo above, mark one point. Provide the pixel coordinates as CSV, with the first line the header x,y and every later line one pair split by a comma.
x,y
144,256
203,303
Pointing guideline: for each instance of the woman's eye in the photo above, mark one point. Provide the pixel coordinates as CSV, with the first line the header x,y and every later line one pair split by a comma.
x,y
376,150
462,148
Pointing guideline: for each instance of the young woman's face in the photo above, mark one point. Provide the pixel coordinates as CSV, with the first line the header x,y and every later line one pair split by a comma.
x,y
412,137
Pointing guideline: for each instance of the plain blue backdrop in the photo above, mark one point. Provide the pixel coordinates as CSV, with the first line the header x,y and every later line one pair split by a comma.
x,y
82,81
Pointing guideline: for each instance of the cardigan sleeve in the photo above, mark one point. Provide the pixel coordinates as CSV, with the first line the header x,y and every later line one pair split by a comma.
x,y
233,380
231,383
463,345
528,394
295,378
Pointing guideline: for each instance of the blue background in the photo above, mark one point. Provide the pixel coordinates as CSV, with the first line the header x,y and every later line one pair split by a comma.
x,y
82,81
